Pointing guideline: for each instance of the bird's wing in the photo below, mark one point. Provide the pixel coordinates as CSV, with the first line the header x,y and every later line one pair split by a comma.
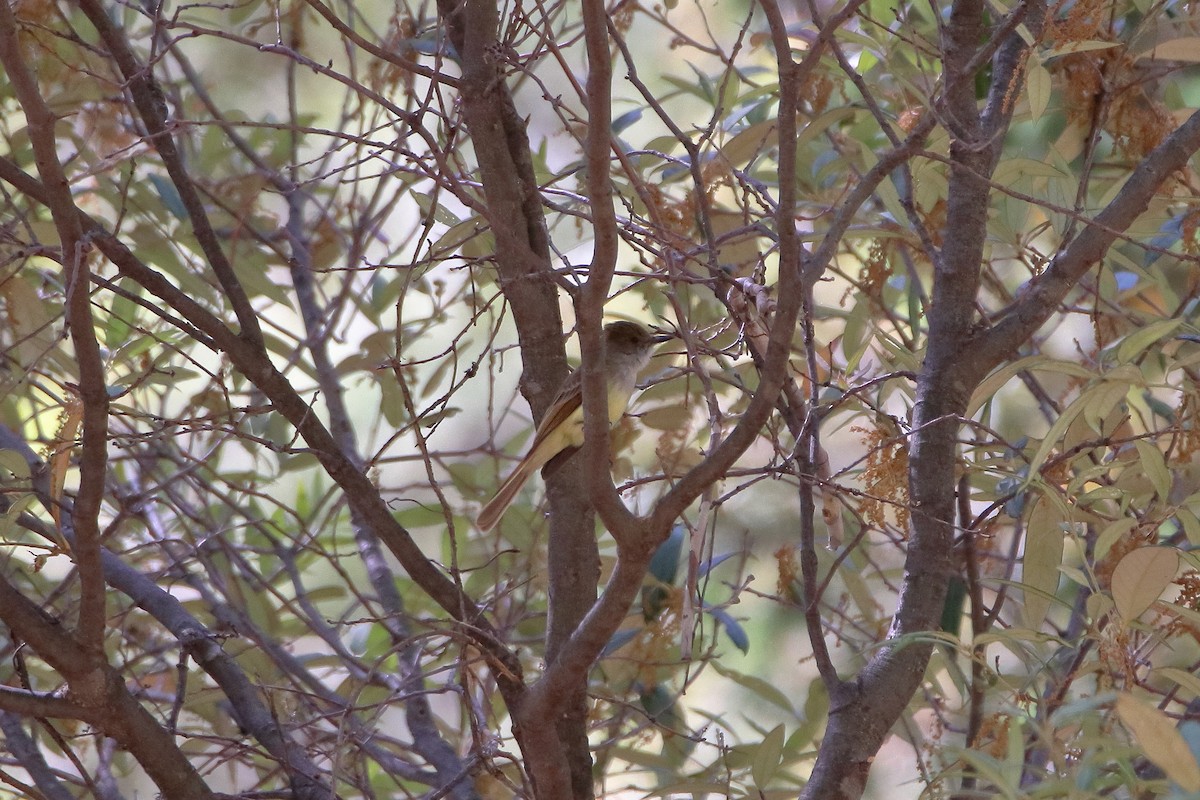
x,y
568,402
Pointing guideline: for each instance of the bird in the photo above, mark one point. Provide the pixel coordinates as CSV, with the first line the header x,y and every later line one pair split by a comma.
x,y
627,348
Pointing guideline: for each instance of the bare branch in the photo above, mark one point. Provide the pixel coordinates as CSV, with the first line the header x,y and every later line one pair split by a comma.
x,y
93,389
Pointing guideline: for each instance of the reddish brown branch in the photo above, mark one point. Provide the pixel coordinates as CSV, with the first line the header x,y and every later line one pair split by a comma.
x,y
253,361
93,389
597,149
1043,294
100,697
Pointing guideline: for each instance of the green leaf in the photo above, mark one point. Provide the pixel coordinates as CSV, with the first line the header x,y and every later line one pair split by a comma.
x,y
417,515
992,771
748,144
1038,86
1039,563
1053,436
1152,463
758,686
1188,681
1162,743
1001,377
119,322
1140,578
767,757
1101,409
1109,536
438,212
12,461
1135,343
674,417
1080,47
254,273
952,608
1185,48
18,505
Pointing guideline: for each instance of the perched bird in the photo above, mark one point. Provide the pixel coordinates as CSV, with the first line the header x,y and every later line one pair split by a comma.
x,y
627,347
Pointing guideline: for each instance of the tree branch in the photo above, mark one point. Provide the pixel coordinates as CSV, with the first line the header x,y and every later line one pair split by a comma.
x,y
598,146
151,105
1042,295
253,362
92,388
862,712
102,699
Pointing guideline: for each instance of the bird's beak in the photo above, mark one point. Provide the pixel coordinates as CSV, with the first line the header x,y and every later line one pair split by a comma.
x,y
663,336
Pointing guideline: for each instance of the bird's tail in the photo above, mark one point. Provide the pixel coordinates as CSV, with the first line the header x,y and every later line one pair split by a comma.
x,y
496,507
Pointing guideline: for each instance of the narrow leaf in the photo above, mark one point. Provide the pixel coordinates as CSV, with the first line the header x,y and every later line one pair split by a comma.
x,y
1161,741
1039,564
1152,463
664,564
766,757
1038,86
